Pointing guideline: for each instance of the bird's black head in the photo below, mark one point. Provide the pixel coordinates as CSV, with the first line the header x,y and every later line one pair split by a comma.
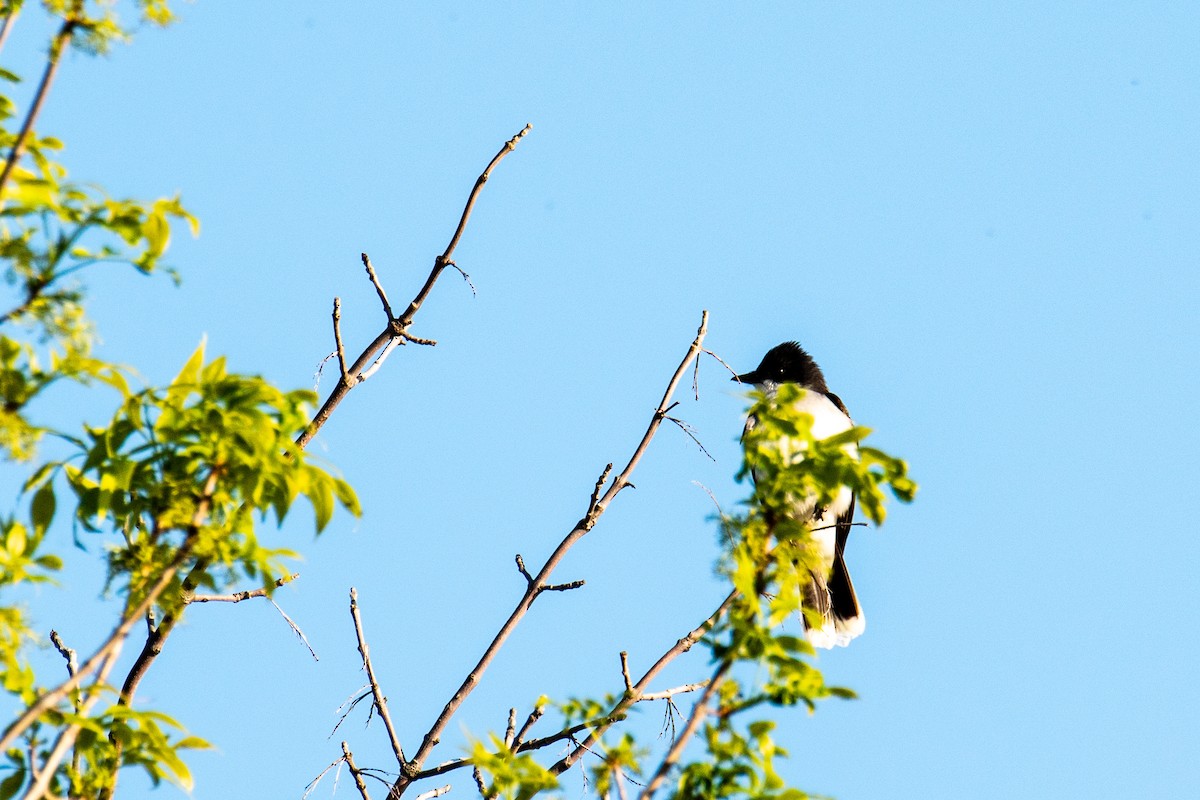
x,y
787,363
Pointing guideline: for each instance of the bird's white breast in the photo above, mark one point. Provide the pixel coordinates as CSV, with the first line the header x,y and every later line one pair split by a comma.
x,y
828,420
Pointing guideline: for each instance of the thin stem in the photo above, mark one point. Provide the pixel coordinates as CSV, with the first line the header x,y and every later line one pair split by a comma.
x,y
376,692
398,327
699,711
354,772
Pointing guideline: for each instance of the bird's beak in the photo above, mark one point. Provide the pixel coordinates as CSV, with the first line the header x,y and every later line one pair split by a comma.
x,y
749,377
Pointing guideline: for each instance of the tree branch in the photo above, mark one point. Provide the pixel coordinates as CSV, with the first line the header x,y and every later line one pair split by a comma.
x,y
354,772
596,508
622,706
376,692
699,711
397,328
238,597
337,339
387,307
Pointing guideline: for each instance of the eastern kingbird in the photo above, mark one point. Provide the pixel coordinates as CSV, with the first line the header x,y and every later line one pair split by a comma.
x,y
829,592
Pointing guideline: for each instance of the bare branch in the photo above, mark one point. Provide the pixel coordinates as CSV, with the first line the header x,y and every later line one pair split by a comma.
x,y
387,351
562,587
478,776
313,783
523,571
510,731
595,498
509,146
667,694
377,693
238,597
387,307
625,671
354,772
533,717
532,590
438,792
66,652
699,711
408,337
397,328
337,338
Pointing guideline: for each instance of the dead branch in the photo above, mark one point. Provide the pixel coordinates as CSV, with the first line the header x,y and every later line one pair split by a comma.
x,y
376,692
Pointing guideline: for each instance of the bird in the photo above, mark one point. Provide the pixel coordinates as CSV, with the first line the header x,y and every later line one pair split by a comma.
x,y
829,591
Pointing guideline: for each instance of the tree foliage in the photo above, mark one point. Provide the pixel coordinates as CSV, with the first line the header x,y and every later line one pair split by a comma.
x,y
174,487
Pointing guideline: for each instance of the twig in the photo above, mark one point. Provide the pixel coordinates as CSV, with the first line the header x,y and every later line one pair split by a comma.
x,y
533,717
350,705
398,327
691,432
625,671
295,629
387,307
337,338
619,710
354,772
523,571
238,597
478,776
720,361
562,587
377,693
698,713
595,498
510,731
595,510
313,783
65,652
408,337
465,277
438,792
667,694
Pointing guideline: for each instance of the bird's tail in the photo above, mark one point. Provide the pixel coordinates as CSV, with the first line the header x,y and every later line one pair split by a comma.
x,y
838,617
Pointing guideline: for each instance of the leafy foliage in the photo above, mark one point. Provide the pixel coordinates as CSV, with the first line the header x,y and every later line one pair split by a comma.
x,y
175,484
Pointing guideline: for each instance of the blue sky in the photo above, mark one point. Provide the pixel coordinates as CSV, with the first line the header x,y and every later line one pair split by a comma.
x,y
981,219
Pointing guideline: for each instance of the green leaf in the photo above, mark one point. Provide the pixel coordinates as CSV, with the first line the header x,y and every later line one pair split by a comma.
x,y
42,508
12,784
